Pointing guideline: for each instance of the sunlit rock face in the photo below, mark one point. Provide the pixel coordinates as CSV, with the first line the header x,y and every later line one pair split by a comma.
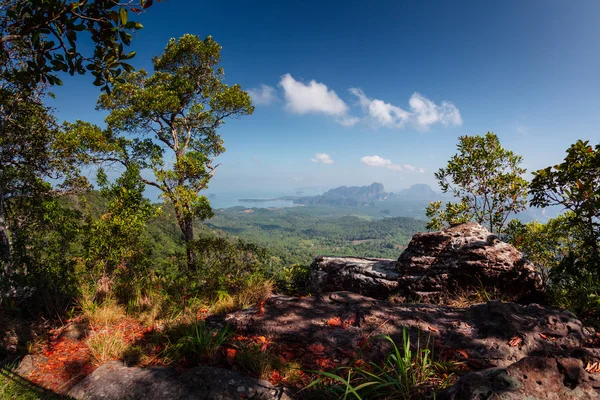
x,y
434,267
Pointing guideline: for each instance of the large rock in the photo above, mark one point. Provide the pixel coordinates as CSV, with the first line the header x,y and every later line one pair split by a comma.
x,y
533,378
115,381
463,257
373,277
434,267
491,334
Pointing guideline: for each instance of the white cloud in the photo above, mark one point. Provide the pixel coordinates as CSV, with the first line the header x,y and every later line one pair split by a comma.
x,y
312,98
427,113
380,112
423,112
322,158
315,97
263,95
376,161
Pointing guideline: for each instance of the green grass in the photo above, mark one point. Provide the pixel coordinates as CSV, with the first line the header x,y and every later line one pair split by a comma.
x,y
197,341
12,386
405,374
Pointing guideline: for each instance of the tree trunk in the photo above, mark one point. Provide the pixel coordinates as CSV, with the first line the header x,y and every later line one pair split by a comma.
x,y
187,229
5,245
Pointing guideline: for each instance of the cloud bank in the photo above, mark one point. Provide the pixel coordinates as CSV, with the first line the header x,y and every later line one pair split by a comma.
x,y
423,112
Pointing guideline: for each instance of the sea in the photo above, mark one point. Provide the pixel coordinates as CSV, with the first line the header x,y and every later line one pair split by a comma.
x,y
263,199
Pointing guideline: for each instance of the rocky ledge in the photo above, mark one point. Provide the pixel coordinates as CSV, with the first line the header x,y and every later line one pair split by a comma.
x,y
115,381
519,350
434,267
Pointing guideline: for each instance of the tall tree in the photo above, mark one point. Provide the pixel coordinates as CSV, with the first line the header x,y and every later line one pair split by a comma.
x,y
575,185
176,113
38,40
488,181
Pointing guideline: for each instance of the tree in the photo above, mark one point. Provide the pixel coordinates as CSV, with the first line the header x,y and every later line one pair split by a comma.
x,y
39,38
175,112
575,185
488,181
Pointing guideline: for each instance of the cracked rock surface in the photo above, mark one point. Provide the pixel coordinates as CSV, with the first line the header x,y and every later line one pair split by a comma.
x,y
435,265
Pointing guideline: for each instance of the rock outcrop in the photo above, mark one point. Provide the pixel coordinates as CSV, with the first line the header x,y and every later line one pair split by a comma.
x,y
460,259
548,378
373,277
114,381
493,334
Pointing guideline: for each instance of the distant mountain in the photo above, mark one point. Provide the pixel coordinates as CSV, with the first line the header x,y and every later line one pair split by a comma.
x,y
347,196
418,192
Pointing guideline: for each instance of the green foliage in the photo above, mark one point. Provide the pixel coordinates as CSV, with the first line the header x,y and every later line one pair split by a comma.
x,y
197,341
487,180
575,185
40,38
113,241
546,245
182,106
405,374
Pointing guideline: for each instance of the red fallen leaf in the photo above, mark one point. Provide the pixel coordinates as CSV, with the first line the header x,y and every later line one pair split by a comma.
x,y
261,312
467,325
347,353
433,329
324,363
335,322
316,348
261,339
231,356
351,320
515,341
463,353
276,376
263,348
543,336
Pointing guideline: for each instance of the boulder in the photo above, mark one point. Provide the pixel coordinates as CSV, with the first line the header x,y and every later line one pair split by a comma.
x,y
434,267
462,257
493,334
553,378
373,277
115,381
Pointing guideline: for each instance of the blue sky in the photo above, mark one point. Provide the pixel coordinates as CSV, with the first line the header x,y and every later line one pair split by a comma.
x,y
349,92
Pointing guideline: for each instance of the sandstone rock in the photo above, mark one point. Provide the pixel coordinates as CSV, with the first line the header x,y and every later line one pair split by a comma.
x,y
462,257
483,332
374,277
114,381
30,363
434,267
554,378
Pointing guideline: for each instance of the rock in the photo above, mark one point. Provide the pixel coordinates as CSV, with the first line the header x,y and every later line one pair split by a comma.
x,y
553,378
482,332
75,331
30,363
461,258
373,277
114,381
434,267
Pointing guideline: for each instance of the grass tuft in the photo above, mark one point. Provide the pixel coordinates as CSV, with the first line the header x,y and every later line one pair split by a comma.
x,y
405,374
107,346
